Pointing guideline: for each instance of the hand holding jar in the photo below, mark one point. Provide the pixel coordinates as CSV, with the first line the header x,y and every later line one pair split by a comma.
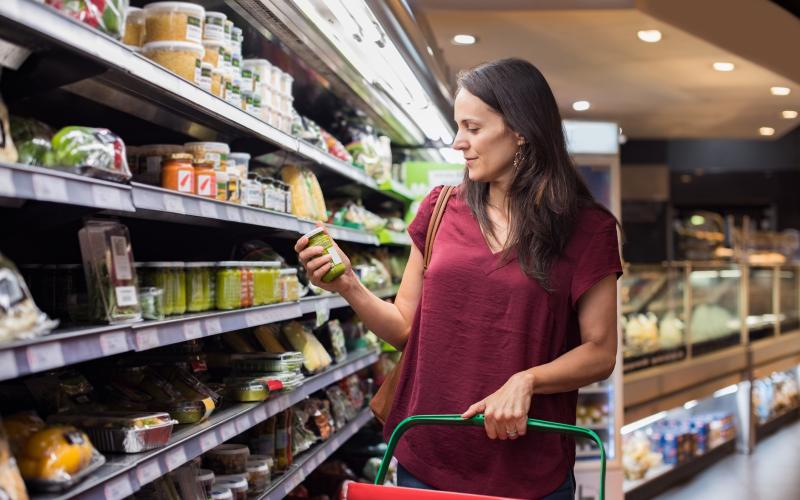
x,y
326,265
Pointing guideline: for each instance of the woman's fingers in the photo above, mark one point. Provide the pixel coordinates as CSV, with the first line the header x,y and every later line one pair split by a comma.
x,y
301,244
314,264
319,273
309,253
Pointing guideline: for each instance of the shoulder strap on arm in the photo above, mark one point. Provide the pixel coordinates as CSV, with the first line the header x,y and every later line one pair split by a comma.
x,y
435,221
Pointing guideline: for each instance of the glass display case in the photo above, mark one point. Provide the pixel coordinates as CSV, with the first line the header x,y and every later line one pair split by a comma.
x,y
761,318
776,395
714,321
789,311
653,315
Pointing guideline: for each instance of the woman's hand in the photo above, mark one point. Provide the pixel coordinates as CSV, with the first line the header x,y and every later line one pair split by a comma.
x,y
506,411
317,262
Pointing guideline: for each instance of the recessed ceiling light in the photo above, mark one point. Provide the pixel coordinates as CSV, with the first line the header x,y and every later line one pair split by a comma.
x,y
724,66
649,36
766,131
581,105
789,114
780,90
463,39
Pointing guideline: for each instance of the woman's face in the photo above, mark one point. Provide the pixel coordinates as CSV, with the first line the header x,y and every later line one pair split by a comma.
x,y
484,139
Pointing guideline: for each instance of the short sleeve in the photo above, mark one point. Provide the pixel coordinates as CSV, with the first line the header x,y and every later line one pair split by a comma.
x,y
418,229
600,258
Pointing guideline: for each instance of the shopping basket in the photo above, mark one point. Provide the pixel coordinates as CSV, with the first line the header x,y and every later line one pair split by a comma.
x,y
376,491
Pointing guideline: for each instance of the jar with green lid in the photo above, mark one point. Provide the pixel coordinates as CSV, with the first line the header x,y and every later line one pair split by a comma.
x,y
228,286
289,285
158,275
319,238
178,272
265,283
198,286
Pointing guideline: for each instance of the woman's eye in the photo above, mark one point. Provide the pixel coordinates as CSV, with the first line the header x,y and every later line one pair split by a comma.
x,y
472,129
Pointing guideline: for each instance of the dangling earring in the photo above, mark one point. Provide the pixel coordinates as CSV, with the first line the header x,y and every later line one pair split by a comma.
x,y
517,159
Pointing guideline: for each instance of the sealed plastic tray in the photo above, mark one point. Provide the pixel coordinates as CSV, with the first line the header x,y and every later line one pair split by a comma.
x,y
123,432
57,486
266,362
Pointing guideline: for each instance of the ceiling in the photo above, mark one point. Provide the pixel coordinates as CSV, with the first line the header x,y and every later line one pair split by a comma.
x,y
588,50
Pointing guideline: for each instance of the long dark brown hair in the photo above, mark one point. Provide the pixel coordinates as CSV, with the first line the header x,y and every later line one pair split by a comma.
x,y
546,192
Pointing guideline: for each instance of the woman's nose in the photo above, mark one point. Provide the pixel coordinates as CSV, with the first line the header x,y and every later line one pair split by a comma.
x,y
459,143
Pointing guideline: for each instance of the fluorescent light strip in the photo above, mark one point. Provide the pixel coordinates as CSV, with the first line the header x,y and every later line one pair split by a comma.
x,y
639,424
731,389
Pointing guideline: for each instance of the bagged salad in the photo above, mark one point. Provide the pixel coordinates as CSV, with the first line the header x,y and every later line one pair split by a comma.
x,y
96,152
20,318
106,15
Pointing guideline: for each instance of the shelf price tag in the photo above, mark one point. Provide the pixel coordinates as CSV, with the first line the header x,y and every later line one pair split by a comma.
x,y
106,197
7,183
213,326
233,214
8,365
208,210
118,488
208,440
228,431
256,318
174,204
113,343
147,338
192,330
148,472
47,188
175,458
45,356
323,310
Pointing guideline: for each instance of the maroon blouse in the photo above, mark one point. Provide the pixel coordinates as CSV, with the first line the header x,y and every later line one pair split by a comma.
x,y
480,321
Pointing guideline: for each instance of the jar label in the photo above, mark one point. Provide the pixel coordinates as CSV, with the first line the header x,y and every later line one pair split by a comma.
x,y
126,296
205,83
185,181
215,157
204,185
214,29
198,70
206,72
335,258
194,32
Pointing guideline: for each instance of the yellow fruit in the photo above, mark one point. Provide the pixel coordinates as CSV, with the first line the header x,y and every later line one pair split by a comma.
x,y
19,427
56,452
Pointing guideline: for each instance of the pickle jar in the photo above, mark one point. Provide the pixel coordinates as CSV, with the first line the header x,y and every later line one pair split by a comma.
x,y
228,285
319,238
265,283
178,274
159,275
290,285
246,268
198,286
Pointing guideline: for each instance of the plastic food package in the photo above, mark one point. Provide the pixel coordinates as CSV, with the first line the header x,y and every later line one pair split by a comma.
x,y
32,139
237,483
120,431
65,390
145,161
302,437
247,391
19,316
110,272
11,484
339,403
283,440
307,199
182,58
174,22
315,357
214,151
105,15
96,152
267,362
214,28
8,153
332,337
134,27
227,459
57,457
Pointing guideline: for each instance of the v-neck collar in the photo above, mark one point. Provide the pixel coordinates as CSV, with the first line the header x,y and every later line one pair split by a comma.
x,y
496,260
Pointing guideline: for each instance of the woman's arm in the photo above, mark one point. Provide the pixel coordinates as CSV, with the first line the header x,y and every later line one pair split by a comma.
x,y
391,322
506,410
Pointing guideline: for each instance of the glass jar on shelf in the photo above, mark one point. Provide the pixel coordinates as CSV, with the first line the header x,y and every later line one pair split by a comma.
x,y
290,285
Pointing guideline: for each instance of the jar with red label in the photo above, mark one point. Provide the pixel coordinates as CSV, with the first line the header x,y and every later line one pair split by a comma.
x,y
205,179
177,173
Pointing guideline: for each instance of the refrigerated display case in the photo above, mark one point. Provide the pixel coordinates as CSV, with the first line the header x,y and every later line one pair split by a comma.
x,y
716,295
776,397
789,303
762,322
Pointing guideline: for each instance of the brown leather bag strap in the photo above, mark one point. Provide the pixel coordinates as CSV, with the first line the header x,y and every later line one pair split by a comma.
x,y
435,221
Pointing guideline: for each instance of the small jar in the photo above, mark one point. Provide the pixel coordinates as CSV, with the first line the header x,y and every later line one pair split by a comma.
x,y
246,269
205,179
174,22
216,82
248,80
252,193
214,52
226,63
221,493
237,484
234,187
258,476
319,238
177,173
222,186
228,286
236,66
290,285
152,301
157,275
134,27
198,286
287,196
205,480
236,36
265,283
235,97
205,76
178,271
214,28
214,151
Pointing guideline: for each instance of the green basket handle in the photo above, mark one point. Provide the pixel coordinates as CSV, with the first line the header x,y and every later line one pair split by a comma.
x,y
533,424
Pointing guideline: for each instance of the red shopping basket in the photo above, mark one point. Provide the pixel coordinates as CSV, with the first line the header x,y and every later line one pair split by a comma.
x,y
362,491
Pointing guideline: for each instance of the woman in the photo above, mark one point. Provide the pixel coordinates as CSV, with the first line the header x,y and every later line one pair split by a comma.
x,y
517,308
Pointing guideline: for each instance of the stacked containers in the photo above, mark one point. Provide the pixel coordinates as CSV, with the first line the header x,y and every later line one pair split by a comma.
x,y
173,37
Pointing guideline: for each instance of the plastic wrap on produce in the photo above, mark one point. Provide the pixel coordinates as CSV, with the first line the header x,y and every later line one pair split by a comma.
x,y
94,152
20,318
106,15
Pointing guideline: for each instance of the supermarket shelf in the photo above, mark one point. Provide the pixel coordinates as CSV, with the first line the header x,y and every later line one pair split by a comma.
x,y
321,303
664,477
387,237
595,390
51,185
603,426
397,190
775,423
311,459
135,78
772,354
123,475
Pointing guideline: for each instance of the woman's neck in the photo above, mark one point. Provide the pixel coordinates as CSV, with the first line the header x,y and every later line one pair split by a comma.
x,y
498,195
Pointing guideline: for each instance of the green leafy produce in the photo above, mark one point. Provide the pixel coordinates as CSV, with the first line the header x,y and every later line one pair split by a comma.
x,y
32,138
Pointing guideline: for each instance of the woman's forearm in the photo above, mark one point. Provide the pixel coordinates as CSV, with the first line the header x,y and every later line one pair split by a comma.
x,y
584,365
381,317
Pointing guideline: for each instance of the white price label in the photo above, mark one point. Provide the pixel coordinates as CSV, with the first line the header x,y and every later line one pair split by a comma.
x,y
118,489
213,326
8,365
7,183
251,217
208,210
323,310
228,431
148,472
175,458
147,339
257,318
233,214
174,204
208,441
47,188
192,330
126,296
45,356
106,197
113,343
260,414
242,424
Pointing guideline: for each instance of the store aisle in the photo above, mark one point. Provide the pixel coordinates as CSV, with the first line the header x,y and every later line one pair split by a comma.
x,y
771,472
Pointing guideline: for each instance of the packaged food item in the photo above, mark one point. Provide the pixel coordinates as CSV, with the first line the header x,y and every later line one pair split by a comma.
x,y
18,428
227,459
260,68
319,237
206,71
157,275
332,338
258,476
265,282
252,193
205,478
110,273
198,286
178,271
315,357
214,28
107,16
146,161
205,179
11,484
241,162
307,199
228,286
19,316
134,27
214,151
174,22
121,431
216,82
248,79
247,284
214,53
177,173
57,457
267,336
234,187
236,483
290,285
152,302
182,58
96,152
191,412
228,28
221,493
222,186
234,97
32,139
247,391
